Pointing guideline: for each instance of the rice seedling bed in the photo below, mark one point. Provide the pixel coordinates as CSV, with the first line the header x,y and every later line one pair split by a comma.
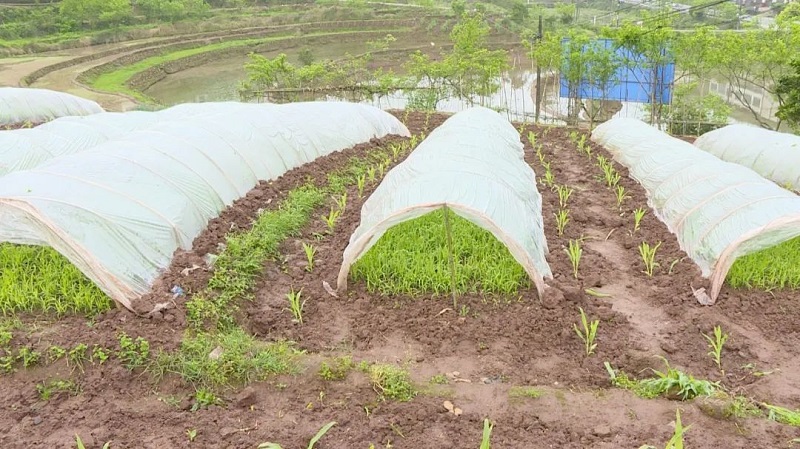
x,y
773,268
404,367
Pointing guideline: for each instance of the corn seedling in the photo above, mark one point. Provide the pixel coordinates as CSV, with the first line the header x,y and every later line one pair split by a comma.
x,y
548,180
648,254
341,202
361,182
622,195
396,149
192,434
610,175
676,441
562,218
79,443
487,434
564,193
331,219
532,138
602,162
311,443
371,174
574,252
638,214
782,415
588,333
381,169
715,344
310,251
296,304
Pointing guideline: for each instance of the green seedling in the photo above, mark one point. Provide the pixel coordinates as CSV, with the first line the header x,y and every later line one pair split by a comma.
x,y
622,195
588,333
331,219
79,443
54,387
716,343
638,214
392,382
311,443
133,353
77,355
564,193
602,162
361,181
540,155
371,174
337,369
487,434
549,179
204,398
532,138
396,149
55,353
28,357
610,175
341,201
99,354
310,251
574,251
381,169
296,304
192,434
648,254
676,441
562,218
439,379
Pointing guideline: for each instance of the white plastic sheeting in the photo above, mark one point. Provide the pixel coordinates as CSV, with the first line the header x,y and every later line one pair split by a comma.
x,y
473,164
22,149
718,210
19,104
120,210
771,154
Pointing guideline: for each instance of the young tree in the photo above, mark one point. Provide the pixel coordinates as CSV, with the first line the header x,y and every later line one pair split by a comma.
x,y
789,89
95,13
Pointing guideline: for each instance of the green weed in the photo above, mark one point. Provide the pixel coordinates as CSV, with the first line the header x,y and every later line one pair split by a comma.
x,y
525,392
439,379
671,383
47,390
588,333
777,267
783,415
77,355
392,382
204,398
337,369
133,353
55,353
99,354
412,257
28,357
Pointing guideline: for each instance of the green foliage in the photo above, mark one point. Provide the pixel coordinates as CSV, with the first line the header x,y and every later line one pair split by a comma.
x,y
716,343
204,398
237,268
671,383
574,252
133,353
37,279
789,89
776,267
56,386
783,415
412,257
321,433
392,382
676,441
691,114
439,379
487,434
29,357
171,10
296,304
588,333
525,392
648,255
95,13
228,358
337,369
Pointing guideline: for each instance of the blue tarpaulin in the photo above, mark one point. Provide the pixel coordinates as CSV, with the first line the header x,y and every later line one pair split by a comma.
x,y
634,81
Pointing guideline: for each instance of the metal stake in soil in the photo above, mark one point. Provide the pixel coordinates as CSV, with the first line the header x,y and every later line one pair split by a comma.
x,y
449,235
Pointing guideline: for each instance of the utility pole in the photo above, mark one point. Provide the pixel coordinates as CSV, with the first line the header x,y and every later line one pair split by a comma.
x,y
538,76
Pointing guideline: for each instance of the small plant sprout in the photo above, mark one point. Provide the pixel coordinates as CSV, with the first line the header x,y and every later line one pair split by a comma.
x,y
611,176
487,434
574,251
371,174
311,443
638,214
341,201
192,434
361,181
676,441
381,169
564,193
622,195
331,219
648,254
532,138
310,252
588,333
296,304
715,344
562,218
396,149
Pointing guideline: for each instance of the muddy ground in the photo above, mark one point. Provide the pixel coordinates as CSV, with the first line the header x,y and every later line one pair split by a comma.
x,y
499,345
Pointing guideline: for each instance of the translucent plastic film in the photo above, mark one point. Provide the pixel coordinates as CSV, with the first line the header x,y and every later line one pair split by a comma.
x,y
120,210
474,165
719,211
773,155
19,105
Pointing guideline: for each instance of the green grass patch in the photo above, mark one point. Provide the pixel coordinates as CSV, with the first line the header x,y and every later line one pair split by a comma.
x,y
240,264
391,382
37,279
412,258
337,369
525,392
773,268
230,358
670,383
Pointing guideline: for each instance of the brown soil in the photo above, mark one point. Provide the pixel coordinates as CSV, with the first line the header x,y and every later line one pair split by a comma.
x,y
500,344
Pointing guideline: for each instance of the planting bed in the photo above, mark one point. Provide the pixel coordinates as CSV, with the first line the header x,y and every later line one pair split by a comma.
x,y
479,355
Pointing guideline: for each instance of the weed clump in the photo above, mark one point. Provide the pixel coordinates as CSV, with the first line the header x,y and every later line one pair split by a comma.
x,y
412,258
337,369
773,268
392,382
671,383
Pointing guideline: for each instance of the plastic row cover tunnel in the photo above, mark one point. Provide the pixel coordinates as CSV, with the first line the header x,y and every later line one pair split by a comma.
x,y
21,149
474,165
718,210
19,105
773,155
119,211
